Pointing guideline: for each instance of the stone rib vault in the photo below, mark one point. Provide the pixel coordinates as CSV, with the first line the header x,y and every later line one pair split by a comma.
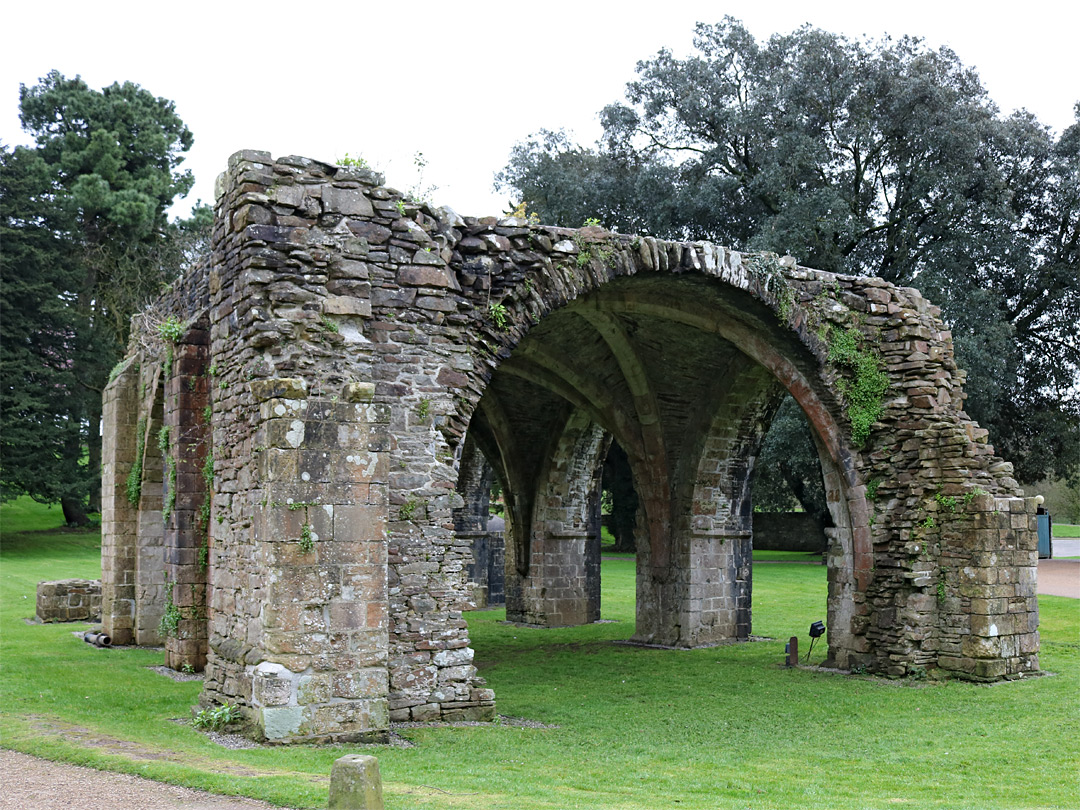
x,y
293,474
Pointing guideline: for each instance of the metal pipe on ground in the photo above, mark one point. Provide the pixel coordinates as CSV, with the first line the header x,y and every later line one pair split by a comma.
x,y
97,639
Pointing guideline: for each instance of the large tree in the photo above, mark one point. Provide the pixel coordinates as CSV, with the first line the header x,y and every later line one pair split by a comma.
x,y
873,158
86,243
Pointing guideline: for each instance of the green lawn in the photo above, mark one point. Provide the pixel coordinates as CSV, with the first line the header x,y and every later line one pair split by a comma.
x,y
1065,530
636,728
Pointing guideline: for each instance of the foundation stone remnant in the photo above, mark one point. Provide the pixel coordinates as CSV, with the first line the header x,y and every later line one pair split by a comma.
x,y
69,600
299,446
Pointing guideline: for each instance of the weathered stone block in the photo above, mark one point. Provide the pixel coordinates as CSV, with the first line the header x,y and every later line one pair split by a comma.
x,y
355,783
347,201
282,723
425,276
346,305
361,683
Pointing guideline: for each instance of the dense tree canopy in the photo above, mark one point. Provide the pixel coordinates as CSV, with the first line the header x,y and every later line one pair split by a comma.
x,y
86,241
871,158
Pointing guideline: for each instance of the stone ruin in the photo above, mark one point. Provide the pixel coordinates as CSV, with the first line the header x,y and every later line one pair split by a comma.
x,y
68,600
299,444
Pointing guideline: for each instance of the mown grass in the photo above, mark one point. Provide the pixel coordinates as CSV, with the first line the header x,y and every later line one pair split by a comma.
x,y
725,727
1065,530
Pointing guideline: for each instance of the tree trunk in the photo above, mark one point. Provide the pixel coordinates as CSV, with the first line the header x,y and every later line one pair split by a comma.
x,y
93,445
74,512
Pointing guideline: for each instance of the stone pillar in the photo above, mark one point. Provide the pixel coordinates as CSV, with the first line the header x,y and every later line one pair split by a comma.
x,y
118,515
470,521
320,668
704,598
983,589
556,591
189,471
150,558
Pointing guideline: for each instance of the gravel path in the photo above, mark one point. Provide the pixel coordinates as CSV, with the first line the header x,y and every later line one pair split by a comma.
x,y
29,783
1060,577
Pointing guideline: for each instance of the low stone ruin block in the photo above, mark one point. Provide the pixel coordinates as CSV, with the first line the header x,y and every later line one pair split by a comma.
x,y
69,600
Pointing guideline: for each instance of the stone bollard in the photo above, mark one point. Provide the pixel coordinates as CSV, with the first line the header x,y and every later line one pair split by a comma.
x,y
355,783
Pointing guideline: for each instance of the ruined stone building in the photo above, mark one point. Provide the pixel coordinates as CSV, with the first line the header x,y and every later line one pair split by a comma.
x,y
299,445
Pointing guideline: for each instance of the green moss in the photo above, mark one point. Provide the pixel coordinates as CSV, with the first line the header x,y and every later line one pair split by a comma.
x,y
134,479
864,385
170,618
169,502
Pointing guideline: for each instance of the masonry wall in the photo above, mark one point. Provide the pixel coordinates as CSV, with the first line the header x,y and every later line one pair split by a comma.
x,y
788,531
352,336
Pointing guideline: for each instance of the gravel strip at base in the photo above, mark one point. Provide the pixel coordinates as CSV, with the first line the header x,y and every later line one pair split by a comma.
x,y
38,784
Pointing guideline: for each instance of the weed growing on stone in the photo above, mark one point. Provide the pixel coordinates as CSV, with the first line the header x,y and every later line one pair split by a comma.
x,y
114,372
170,618
872,488
587,251
410,509
500,316
172,329
521,211
307,539
169,501
946,502
350,162
216,718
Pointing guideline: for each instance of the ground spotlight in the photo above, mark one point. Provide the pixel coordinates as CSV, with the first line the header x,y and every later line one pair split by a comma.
x,y
817,629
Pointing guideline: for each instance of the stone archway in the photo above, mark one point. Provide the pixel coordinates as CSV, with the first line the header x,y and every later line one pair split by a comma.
x,y
357,337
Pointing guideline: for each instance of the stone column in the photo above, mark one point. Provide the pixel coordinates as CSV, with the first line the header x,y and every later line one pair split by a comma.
x,y
150,559
119,517
189,471
557,591
705,596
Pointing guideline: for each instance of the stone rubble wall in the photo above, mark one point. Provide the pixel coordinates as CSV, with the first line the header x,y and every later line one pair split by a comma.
x,y
352,333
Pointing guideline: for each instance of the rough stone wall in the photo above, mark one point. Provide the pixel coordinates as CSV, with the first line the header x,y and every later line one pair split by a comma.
x,y
356,337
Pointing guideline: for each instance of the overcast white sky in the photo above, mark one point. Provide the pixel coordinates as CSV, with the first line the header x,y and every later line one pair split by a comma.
x,y
462,82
